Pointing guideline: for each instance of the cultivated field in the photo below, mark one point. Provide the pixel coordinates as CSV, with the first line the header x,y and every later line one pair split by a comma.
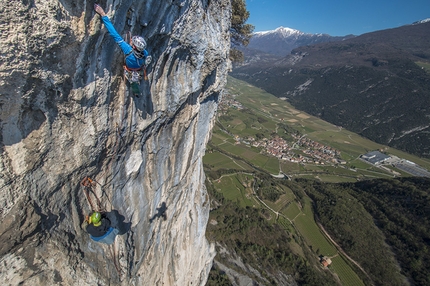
x,y
261,115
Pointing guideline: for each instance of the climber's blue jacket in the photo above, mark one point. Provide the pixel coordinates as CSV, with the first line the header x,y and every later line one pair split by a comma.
x,y
131,61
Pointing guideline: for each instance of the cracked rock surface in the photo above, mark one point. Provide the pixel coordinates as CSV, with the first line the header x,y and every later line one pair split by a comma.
x,y
66,114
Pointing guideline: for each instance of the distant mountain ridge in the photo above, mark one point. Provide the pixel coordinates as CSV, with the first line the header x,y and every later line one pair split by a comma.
x,y
282,41
376,84
422,21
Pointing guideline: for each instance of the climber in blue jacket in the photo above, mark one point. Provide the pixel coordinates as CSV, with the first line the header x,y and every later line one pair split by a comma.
x,y
136,57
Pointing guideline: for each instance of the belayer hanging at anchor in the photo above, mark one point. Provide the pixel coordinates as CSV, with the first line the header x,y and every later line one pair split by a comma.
x,y
99,228
136,56
98,225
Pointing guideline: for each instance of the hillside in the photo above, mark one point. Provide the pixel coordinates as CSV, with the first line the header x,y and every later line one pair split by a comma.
x,y
364,217
271,229
376,84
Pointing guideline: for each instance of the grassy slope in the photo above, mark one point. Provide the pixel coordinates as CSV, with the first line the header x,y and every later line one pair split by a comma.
x,y
265,115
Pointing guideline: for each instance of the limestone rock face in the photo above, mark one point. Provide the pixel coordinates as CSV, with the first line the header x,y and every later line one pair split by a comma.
x,y
67,114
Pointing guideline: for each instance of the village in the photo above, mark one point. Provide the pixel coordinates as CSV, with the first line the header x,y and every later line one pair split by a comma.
x,y
227,102
303,150
306,151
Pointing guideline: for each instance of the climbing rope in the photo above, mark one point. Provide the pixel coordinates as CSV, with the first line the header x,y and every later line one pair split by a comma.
x,y
115,258
118,143
88,185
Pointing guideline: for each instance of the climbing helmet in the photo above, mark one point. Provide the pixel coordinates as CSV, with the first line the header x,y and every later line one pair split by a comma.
x,y
139,43
95,218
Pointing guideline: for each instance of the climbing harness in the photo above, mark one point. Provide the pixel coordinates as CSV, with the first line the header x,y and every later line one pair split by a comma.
x,y
134,76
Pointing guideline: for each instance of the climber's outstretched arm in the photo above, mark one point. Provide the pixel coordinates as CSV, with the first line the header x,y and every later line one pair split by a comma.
x,y
125,47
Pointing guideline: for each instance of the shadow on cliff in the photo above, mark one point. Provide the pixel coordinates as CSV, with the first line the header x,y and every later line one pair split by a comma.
x,y
30,119
161,212
117,221
144,101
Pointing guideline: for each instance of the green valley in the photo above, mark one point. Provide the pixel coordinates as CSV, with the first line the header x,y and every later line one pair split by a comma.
x,y
260,164
311,147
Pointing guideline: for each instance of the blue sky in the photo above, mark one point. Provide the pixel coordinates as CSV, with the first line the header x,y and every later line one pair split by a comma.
x,y
336,17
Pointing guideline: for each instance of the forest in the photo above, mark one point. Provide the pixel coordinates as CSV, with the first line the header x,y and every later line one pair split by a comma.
x,y
264,246
382,224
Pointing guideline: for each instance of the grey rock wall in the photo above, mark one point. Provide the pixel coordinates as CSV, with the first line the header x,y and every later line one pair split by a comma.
x,y
65,114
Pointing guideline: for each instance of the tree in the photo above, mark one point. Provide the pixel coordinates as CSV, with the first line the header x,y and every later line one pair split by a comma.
x,y
240,32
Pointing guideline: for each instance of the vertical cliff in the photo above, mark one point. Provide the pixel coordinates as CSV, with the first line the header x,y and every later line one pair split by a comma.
x,y
66,114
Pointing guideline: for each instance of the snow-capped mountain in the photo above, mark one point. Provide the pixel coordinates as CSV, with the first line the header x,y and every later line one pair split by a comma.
x,y
282,40
422,21
285,32
347,83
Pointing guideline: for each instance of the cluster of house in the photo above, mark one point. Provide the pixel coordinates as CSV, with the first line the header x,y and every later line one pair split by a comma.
x,y
320,152
317,153
311,151
229,102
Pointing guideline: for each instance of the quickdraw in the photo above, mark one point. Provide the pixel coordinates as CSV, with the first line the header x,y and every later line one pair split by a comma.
x,y
134,75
